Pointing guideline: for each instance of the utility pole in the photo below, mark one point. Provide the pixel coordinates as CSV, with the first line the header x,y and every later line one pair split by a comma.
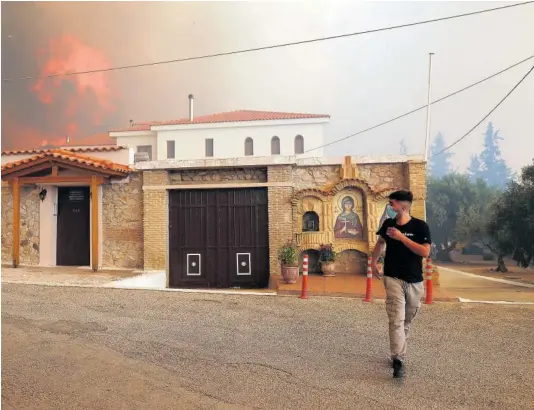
x,y
428,104
427,138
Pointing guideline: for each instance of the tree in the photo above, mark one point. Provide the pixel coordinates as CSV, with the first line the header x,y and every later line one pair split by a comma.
x,y
473,223
512,222
474,169
403,148
440,164
493,168
446,198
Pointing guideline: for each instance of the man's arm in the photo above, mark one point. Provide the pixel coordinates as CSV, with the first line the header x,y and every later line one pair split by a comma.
x,y
378,250
422,250
376,253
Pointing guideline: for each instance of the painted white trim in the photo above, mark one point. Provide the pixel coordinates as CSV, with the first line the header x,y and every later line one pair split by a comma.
x,y
218,186
100,227
48,227
199,264
249,273
494,302
250,161
507,282
90,224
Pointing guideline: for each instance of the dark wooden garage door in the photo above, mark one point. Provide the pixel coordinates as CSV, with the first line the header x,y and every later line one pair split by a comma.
x,y
218,238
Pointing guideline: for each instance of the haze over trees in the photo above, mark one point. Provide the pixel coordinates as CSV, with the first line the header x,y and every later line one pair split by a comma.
x,y
483,206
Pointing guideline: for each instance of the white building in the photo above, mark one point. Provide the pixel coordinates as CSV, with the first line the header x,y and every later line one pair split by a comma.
x,y
227,135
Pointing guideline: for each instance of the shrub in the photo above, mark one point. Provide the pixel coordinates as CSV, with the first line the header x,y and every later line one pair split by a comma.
x,y
288,254
327,253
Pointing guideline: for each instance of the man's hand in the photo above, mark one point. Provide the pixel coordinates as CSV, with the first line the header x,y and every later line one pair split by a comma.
x,y
375,271
394,233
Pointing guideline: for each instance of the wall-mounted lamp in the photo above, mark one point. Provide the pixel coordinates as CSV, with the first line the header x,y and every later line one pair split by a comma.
x,y
42,194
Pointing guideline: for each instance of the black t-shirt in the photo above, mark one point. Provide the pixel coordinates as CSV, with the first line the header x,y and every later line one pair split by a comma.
x,y
401,262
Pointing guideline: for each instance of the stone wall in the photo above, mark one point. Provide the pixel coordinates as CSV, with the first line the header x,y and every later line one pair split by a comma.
x,y
7,225
383,176
315,177
280,213
415,174
351,262
122,224
284,182
319,189
155,219
378,176
218,176
29,225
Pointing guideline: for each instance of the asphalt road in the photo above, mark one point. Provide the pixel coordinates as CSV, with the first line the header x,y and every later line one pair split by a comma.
x,y
96,348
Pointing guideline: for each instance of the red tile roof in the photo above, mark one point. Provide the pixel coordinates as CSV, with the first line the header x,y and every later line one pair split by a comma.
x,y
94,143
92,140
233,116
67,155
77,149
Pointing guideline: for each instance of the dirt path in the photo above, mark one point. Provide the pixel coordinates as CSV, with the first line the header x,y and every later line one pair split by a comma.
x,y
485,269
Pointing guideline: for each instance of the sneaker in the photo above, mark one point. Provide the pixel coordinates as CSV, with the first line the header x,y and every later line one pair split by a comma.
x,y
398,369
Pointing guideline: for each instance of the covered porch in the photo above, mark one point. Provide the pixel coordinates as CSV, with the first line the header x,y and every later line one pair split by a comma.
x,y
70,205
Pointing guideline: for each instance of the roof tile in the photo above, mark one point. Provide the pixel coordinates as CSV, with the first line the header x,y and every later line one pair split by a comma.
x,y
76,149
68,155
233,116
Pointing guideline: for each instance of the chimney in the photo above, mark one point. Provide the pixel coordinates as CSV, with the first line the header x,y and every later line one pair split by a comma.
x,y
191,100
131,123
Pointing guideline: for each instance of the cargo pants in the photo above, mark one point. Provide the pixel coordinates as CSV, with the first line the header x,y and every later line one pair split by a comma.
x,y
403,301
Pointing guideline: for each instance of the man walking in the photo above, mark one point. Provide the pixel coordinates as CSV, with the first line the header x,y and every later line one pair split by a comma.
x,y
407,241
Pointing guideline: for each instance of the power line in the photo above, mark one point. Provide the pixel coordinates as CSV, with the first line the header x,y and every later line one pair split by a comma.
x,y
249,50
486,116
422,107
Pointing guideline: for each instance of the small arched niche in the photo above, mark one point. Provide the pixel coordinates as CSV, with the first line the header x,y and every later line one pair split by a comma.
x,y
314,267
310,222
310,214
351,261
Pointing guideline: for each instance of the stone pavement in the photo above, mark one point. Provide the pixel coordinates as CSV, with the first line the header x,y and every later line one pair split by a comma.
x,y
62,275
100,348
454,285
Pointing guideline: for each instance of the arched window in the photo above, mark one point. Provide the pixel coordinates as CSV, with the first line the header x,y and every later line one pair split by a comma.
x,y
249,146
275,145
310,222
299,144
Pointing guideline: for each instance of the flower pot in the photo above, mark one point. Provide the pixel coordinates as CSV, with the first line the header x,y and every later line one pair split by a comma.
x,y
290,273
328,268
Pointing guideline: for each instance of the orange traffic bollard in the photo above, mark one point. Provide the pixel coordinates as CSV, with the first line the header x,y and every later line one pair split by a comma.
x,y
428,299
304,291
369,290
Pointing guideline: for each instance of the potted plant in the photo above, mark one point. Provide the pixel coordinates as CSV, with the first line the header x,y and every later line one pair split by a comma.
x,y
327,257
288,256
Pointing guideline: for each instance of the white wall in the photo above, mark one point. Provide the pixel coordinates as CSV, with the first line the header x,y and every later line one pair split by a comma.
x,y
48,227
229,142
133,141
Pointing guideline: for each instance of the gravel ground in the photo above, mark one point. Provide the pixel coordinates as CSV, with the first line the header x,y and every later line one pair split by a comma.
x,y
96,348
